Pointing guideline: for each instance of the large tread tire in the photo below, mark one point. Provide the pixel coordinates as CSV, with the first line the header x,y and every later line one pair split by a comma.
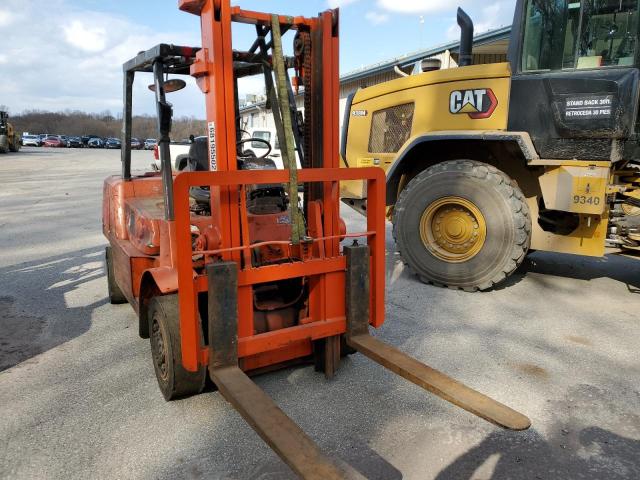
x,y
164,334
15,145
501,202
4,144
116,297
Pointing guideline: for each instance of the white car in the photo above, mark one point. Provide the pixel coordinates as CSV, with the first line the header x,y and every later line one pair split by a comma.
x,y
31,141
178,152
259,148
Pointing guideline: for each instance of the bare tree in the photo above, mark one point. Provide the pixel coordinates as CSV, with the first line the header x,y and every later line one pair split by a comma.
x,y
103,124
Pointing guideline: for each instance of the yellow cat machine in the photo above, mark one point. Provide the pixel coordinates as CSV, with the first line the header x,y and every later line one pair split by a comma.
x,y
9,139
484,162
230,270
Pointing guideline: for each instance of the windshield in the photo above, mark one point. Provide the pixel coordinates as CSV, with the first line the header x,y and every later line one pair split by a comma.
x,y
561,34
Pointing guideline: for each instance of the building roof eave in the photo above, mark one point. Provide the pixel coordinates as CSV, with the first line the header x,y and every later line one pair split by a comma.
x,y
410,58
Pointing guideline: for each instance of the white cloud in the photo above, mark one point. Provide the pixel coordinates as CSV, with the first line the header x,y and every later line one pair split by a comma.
x,y
76,63
453,32
376,18
417,6
340,3
89,39
253,85
497,14
6,17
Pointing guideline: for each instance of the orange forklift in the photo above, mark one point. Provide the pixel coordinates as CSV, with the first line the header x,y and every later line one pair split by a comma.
x,y
235,267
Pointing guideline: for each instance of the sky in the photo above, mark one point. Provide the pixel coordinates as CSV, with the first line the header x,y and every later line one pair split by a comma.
x,y
68,54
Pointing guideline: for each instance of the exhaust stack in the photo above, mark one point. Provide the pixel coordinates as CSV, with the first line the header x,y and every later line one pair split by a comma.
x,y
466,39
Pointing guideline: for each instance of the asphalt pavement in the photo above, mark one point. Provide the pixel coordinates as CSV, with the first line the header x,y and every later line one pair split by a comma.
x,y
78,396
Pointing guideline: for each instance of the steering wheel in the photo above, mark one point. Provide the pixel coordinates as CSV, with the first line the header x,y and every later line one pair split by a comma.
x,y
255,139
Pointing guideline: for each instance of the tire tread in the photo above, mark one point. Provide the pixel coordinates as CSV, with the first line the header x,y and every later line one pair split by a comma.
x,y
517,202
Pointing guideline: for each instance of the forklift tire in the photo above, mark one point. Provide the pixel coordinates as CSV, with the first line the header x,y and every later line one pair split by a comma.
x,y
4,144
164,334
462,224
116,297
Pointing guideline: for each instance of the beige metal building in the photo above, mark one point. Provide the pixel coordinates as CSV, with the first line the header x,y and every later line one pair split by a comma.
x,y
489,47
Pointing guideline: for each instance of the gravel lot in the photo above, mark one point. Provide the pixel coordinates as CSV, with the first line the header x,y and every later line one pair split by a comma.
x,y
78,396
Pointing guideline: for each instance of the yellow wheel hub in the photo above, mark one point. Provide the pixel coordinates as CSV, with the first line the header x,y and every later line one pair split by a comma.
x,y
453,229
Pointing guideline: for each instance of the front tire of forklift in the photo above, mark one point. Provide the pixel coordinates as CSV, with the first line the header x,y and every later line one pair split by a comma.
x,y
116,297
164,334
462,224
4,144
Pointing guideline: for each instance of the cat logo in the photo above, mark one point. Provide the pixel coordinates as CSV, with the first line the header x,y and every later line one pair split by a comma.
x,y
478,103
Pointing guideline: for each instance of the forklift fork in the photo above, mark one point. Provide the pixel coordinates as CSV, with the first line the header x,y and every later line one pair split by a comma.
x,y
279,431
358,338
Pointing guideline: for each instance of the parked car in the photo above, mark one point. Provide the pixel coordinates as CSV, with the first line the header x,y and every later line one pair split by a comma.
x,y
74,142
137,144
64,139
42,137
86,138
150,143
31,141
53,141
95,142
112,143
264,142
179,152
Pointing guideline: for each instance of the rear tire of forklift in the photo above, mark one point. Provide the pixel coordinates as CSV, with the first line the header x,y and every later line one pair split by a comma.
x,y
164,335
462,224
4,144
116,296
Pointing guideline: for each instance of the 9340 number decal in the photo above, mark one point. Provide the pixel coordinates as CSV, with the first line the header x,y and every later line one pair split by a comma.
x,y
585,200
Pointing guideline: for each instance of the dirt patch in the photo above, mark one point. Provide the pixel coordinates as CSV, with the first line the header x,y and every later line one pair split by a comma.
x,y
532,370
579,340
19,334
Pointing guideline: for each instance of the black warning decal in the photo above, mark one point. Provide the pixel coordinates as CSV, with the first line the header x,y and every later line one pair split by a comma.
x,y
588,107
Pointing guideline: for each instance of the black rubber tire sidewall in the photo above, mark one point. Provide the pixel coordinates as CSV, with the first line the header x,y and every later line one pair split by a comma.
x,y
491,195
179,382
116,296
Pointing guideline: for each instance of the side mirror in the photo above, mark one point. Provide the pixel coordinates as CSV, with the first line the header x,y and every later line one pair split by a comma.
x,y
170,86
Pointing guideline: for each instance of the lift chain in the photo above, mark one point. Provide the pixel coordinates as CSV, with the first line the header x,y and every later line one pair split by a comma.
x,y
303,67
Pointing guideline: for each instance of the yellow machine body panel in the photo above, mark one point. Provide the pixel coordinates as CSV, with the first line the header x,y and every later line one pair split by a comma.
x,y
575,189
385,118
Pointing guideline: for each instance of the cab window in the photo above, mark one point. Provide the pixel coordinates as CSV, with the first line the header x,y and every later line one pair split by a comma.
x,y
561,34
609,34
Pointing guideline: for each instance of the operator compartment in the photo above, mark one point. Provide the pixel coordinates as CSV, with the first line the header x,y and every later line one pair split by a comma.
x,y
278,304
